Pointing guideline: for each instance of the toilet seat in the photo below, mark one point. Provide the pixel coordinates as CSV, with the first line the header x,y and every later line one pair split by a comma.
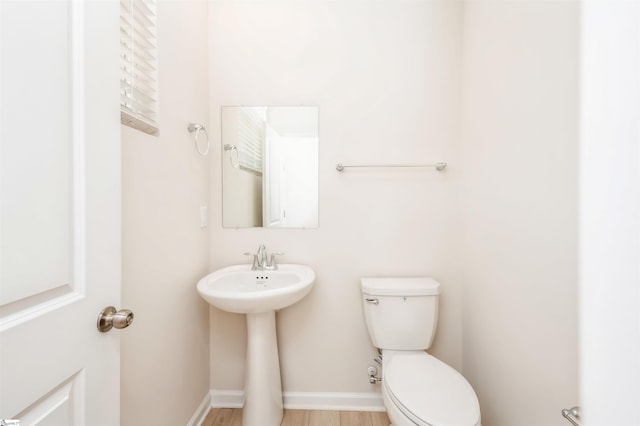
x,y
429,392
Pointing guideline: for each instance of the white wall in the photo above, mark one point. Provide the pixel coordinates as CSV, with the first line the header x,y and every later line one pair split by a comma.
x,y
165,353
610,213
387,79
519,203
385,76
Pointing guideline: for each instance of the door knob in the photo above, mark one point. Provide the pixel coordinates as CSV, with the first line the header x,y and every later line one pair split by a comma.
x,y
110,318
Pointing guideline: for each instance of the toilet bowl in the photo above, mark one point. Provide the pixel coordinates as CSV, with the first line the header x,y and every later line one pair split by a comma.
x,y
417,388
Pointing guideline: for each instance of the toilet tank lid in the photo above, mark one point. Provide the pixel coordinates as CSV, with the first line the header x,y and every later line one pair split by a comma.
x,y
400,286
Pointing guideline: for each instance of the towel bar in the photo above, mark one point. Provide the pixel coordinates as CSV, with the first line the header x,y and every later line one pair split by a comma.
x,y
438,166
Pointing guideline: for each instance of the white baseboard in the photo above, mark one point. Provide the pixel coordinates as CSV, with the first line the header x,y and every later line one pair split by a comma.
x,y
227,398
333,401
307,400
201,412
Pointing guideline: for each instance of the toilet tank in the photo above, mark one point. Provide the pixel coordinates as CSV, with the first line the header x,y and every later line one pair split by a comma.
x,y
401,313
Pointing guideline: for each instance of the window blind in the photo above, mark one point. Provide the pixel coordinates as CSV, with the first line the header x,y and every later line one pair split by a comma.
x,y
138,65
251,138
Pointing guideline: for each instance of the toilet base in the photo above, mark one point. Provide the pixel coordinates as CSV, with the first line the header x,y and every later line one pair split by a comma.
x,y
395,415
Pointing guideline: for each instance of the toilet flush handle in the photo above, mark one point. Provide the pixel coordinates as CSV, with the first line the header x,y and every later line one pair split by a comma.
x,y
374,301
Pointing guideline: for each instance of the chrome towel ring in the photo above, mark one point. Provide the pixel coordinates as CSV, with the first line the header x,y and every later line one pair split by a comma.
x,y
195,127
234,149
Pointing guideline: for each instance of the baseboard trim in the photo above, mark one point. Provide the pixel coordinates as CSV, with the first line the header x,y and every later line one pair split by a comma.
x,y
307,400
227,398
201,412
333,401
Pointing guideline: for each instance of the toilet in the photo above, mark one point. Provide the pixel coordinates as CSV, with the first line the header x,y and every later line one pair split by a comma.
x,y
417,388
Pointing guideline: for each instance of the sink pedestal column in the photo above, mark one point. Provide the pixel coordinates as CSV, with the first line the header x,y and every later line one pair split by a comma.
x,y
262,388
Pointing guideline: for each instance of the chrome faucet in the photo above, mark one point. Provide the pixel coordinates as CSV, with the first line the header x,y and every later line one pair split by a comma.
x,y
261,260
262,257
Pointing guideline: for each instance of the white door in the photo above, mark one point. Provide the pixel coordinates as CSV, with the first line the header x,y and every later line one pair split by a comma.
x,y
60,211
273,182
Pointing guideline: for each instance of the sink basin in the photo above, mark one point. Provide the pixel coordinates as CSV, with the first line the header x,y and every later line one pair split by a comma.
x,y
259,294
240,290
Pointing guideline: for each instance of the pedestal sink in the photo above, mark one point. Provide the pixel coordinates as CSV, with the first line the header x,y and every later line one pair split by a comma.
x,y
259,294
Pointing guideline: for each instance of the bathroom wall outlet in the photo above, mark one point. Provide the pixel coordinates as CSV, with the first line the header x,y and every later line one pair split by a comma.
x,y
203,216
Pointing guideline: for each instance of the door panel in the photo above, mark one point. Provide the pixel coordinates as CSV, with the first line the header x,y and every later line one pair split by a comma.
x,y
37,149
60,211
61,406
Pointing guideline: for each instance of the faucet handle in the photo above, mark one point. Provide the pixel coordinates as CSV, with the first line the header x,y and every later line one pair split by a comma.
x,y
254,265
272,266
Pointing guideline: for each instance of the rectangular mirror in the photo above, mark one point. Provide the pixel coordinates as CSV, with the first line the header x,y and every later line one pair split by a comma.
x,y
270,166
